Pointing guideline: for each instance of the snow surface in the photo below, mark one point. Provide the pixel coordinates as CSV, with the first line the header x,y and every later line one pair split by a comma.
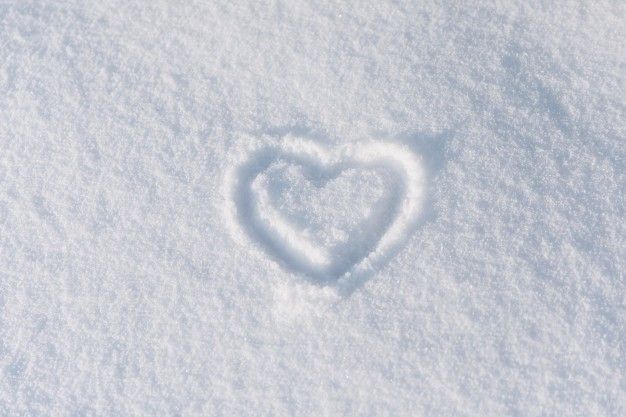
x,y
293,208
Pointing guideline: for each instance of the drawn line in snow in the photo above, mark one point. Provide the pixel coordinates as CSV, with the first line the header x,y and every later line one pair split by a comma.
x,y
380,234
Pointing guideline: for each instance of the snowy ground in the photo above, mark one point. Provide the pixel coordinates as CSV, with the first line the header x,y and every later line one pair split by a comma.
x,y
297,208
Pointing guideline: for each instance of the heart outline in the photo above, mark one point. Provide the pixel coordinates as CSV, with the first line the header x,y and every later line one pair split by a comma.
x,y
284,245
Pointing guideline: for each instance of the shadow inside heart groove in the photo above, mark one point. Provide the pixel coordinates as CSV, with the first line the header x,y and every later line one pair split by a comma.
x,y
327,215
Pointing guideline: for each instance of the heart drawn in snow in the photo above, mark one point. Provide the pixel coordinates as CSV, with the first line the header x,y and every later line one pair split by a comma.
x,y
331,214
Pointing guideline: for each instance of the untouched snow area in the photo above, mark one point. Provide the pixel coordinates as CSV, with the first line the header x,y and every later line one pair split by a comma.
x,y
296,208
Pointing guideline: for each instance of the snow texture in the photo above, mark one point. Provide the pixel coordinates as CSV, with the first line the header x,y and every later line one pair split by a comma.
x,y
299,208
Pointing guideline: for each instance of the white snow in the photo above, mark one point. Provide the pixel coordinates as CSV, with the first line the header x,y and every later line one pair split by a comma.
x,y
298,208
